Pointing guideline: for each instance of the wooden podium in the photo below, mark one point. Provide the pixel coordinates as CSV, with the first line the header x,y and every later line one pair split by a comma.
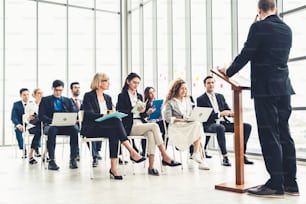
x,y
238,186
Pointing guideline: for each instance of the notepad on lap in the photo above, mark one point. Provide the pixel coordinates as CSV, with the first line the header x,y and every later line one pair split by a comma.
x,y
64,119
111,115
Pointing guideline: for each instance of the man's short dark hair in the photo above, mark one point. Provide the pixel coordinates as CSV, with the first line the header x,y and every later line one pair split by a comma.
x,y
205,79
266,5
22,90
74,83
57,83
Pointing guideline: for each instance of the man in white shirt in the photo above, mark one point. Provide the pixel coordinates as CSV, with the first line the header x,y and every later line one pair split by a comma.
x,y
217,121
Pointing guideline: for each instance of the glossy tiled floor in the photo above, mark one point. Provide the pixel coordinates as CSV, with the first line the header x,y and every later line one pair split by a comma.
x,y
24,183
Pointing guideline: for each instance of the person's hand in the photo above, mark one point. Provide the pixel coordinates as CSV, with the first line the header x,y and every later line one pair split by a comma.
x,y
222,71
31,117
150,110
141,109
110,111
20,128
227,113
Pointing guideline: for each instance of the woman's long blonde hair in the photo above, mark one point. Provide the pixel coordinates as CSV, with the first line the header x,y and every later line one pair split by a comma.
x,y
174,89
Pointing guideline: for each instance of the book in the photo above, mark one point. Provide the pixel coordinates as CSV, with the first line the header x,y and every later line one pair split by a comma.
x,y
157,104
111,115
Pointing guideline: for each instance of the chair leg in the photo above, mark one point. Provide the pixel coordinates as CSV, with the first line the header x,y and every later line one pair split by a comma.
x,y
90,165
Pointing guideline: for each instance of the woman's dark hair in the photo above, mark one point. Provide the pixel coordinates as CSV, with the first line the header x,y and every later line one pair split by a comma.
x,y
147,93
130,77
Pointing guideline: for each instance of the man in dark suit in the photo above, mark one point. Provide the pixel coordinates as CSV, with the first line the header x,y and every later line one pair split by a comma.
x,y
267,48
16,117
217,121
58,103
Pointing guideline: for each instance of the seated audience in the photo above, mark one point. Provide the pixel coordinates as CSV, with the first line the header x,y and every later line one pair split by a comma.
x,y
181,133
217,121
58,103
97,104
131,103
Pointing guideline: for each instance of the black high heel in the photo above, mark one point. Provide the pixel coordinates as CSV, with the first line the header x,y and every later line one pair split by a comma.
x,y
112,176
139,160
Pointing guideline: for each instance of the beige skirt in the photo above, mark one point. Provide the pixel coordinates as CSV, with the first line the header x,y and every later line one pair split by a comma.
x,y
183,134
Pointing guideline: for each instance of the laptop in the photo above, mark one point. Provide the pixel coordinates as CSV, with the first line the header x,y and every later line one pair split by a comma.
x,y
157,104
64,119
200,114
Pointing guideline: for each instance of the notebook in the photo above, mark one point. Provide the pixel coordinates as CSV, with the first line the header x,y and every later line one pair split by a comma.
x,y
157,104
200,114
64,119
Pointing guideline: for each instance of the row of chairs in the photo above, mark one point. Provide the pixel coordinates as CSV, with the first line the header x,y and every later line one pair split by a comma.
x,y
83,139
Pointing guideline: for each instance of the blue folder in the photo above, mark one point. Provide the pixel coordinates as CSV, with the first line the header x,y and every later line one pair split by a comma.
x,y
157,104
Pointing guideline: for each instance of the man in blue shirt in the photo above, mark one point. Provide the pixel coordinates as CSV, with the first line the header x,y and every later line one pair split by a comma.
x,y
58,103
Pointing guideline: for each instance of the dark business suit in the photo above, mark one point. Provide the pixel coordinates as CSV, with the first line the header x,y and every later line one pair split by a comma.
x,y
267,47
124,105
224,126
46,110
111,128
16,117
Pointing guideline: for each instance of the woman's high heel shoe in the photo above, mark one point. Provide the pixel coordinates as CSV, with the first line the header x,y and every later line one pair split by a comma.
x,y
112,176
139,160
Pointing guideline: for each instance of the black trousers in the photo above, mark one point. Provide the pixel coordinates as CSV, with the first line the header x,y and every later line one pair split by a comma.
x,y
220,130
112,129
277,145
52,131
37,135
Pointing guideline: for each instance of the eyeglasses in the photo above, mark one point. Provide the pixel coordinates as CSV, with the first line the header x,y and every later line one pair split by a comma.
x,y
105,80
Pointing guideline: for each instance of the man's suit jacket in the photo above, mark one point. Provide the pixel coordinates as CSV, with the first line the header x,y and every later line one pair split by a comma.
x,y
92,110
267,47
203,101
17,112
46,108
124,105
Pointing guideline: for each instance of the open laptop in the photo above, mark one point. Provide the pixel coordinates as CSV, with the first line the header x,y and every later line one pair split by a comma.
x,y
200,114
157,104
64,119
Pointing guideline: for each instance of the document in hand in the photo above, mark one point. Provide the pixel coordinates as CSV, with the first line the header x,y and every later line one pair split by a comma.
x,y
138,104
112,115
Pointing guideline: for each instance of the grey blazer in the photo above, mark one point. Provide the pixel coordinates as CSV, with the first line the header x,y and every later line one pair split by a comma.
x,y
173,111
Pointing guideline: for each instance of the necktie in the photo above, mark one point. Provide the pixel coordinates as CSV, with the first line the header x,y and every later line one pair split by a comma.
x,y
77,103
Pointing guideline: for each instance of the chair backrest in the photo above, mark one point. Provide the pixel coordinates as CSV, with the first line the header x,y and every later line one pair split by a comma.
x,y
165,125
81,117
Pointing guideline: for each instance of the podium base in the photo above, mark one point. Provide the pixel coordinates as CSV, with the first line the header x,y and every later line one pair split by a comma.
x,y
232,187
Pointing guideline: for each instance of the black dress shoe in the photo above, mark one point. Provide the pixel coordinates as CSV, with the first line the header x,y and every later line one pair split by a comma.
x,y
172,163
246,161
294,191
226,162
265,191
207,156
153,172
73,164
53,166
112,176
139,160
121,162
95,162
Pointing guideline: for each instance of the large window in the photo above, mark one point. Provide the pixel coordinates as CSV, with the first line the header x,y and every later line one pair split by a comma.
x,y
198,47
148,44
1,73
52,35
162,48
108,49
179,40
20,53
81,47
